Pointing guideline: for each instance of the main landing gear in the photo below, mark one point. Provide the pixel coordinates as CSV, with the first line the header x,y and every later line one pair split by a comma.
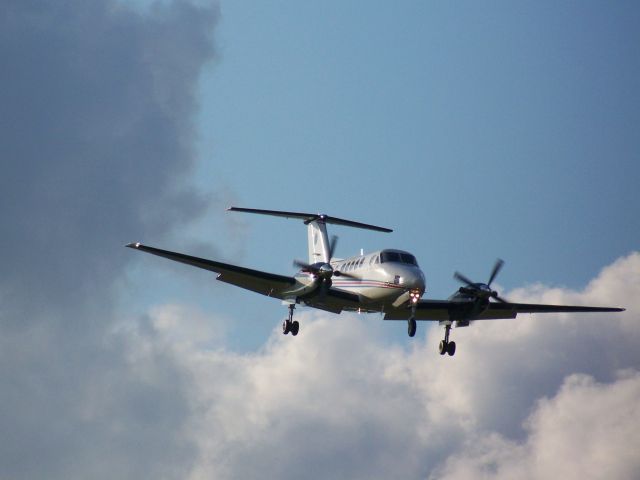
x,y
289,325
445,345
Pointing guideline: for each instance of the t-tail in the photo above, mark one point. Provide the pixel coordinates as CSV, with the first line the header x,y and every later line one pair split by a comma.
x,y
320,248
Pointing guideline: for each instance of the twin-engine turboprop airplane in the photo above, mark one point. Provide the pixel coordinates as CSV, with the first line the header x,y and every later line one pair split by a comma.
x,y
387,281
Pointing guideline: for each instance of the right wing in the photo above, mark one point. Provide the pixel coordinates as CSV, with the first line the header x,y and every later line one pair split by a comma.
x,y
460,310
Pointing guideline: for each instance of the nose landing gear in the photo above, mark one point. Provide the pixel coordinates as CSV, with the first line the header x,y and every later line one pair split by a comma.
x,y
412,327
289,325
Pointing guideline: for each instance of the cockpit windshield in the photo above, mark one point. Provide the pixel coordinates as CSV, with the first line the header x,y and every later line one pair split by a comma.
x,y
407,258
387,257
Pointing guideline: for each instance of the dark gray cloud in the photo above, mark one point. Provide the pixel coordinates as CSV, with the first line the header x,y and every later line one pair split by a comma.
x,y
96,133
96,128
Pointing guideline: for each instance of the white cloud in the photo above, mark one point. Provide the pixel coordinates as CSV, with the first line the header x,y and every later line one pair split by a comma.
x,y
588,430
526,398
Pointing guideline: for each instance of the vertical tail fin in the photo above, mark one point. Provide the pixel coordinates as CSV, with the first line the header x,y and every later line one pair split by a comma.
x,y
318,241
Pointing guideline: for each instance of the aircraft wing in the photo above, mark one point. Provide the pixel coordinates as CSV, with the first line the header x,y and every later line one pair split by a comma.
x,y
269,284
457,310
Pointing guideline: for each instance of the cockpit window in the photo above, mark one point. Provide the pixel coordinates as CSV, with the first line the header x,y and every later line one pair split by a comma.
x,y
407,258
386,257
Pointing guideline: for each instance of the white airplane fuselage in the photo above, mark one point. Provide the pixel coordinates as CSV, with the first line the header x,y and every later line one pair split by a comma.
x,y
379,279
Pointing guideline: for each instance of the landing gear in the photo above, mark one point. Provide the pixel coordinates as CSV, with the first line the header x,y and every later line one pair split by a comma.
x,y
412,327
289,325
445,345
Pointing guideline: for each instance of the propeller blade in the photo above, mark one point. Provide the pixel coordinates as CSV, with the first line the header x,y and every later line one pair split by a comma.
x,y
501,300
496,269
301,265
461,278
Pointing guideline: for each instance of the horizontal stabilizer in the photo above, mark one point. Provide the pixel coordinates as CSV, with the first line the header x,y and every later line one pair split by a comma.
x,y
311,217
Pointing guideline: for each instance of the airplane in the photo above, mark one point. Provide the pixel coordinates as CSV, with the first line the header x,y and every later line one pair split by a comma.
x,y
387,281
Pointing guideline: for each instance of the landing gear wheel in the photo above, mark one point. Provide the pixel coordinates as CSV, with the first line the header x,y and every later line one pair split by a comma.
x,y
295,328
451,348
288,323
412,327
286,326
442,348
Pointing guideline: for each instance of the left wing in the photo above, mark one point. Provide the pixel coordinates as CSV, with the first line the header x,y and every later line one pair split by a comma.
x,y
460,310
269,284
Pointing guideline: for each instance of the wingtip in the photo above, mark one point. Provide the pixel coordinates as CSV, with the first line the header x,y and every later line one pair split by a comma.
x,y
133,245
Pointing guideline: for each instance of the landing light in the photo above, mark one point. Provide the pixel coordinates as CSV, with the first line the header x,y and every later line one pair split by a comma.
x,y
415,296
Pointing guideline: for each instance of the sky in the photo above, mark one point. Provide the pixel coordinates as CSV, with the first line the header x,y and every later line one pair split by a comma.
x,y
475,131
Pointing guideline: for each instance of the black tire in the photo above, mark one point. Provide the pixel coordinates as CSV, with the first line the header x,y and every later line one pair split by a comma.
x,y
451,349
412,327
442,348
295,328
286,327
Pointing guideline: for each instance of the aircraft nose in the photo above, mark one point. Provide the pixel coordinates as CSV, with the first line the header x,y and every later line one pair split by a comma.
x,y
415,280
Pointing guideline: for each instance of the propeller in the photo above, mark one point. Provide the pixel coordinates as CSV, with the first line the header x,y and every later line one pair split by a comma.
x,y
481,290
323,270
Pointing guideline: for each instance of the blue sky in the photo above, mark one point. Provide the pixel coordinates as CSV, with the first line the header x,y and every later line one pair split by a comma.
x,y
475,131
